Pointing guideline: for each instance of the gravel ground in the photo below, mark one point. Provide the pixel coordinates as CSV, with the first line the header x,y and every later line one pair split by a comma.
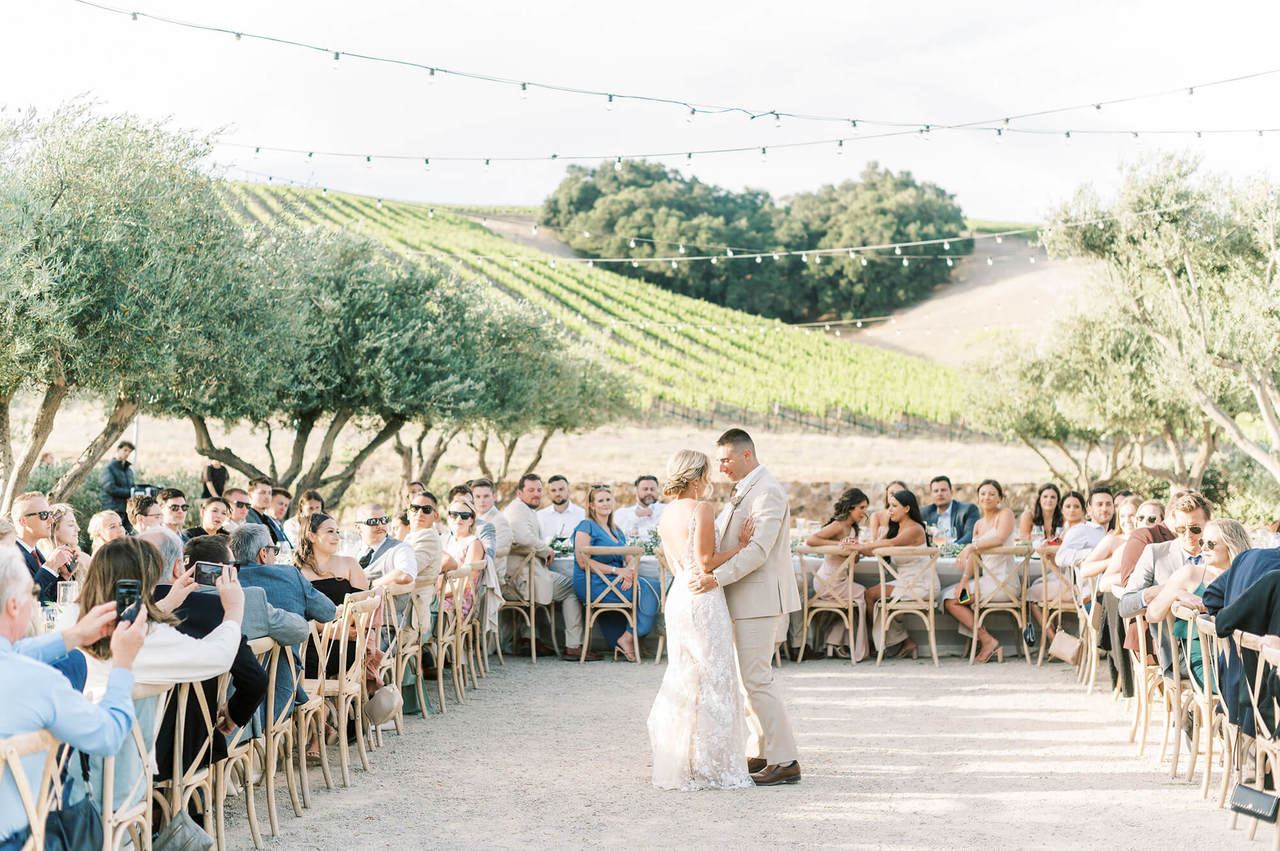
x,y
556,755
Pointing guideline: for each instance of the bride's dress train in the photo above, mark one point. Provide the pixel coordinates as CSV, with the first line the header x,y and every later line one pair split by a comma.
x,y
697,727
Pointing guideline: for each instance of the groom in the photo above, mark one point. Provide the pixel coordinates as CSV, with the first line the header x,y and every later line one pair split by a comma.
x,y
760,588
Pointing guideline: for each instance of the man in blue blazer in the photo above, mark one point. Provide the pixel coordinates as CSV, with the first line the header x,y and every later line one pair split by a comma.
x,y
953,516
254,553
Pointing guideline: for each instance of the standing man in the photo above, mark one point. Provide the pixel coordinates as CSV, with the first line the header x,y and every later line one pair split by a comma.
x,y
760,589
558,520
954,518
639,520
117,482
548,586
484,497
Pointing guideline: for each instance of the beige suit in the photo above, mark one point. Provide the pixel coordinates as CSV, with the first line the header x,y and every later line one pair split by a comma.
x,y
428,550
548,587
760,589
1157,563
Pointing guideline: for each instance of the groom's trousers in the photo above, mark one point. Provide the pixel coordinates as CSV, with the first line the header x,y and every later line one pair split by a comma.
x,y
756,639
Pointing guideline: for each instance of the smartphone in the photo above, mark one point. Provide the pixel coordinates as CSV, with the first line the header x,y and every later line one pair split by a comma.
x,y
128,595
964,598
207,572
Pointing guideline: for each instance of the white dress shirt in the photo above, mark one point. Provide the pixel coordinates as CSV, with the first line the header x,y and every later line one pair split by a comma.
x,y
392,555
634,526
560,524
1078,543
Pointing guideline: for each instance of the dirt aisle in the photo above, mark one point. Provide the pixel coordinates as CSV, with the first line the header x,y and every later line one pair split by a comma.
x,y
906,756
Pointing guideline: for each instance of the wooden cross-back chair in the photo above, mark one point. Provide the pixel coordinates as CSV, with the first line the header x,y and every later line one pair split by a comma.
x,y
1266,739
131,817
598,604
841,605
37,794
913,594
1013,586
1056,606
525,608
241,746
195,780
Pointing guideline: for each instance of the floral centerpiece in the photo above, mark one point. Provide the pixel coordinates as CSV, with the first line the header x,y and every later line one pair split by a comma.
x,y
650,541
562,546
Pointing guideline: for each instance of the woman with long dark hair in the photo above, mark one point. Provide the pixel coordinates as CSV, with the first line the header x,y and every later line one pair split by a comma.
x,y
993,530
1042,522
905,529
879,520
832,580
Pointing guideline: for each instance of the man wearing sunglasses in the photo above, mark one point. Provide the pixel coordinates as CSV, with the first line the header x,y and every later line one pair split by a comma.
x,y
175,507
34,520
1159,561
238,499
385,561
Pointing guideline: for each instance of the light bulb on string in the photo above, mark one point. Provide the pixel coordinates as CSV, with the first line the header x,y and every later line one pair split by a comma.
x,y
617,164
608,104
586,234
426,163
487,163
906,262
1067,136
524,91
999,135
635,264
336,57
632,243
777,121
379,203
923,135
897,249
862,260
681,248
764,155
675,265
688,157
431,214
688,119
804,258
591,264
777,256
991,262
839,147
368,162
257,152
999,239
237,36
949,263
431,76
817,259
715,260
535,229
728,252
134,15
759,258
858,323
553,262
1032,259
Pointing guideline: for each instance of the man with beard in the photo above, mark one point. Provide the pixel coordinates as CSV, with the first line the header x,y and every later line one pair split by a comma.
x,y
637,521
561,517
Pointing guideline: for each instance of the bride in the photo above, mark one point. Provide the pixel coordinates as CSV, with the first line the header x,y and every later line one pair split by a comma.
x,y
697,727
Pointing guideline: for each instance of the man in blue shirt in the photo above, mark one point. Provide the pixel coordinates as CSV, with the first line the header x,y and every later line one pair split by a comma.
x,y
38,697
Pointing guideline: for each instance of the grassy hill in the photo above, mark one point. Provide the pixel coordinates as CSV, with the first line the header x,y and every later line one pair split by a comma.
x,y
674,348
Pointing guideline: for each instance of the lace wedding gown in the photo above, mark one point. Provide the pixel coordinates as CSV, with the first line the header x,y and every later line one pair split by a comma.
x,y
697,727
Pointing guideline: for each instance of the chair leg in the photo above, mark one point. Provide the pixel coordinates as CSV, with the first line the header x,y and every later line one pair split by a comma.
x,y
301,731
361,746
1195,745
344,756
249,804
290,776
933,636
271,743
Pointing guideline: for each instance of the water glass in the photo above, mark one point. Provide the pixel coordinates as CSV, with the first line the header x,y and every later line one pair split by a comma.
x,y
68,592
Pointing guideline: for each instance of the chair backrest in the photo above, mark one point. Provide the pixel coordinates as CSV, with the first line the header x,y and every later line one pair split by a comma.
x,y
184,775
1014,585
267,652
810,566
346,636
37,798
890,573
1049,564
1264,725
460,583
612,584
136,758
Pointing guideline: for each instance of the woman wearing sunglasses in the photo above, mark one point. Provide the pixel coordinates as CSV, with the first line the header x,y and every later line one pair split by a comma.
x,y
462,546
1128,513
599,530
1222,541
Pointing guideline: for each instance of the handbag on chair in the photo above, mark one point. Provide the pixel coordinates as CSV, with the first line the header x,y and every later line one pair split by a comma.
x,y
1254,803
78,825
1066,647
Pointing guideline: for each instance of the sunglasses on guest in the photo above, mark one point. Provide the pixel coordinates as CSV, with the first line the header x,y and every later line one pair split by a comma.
x,y
182,507
1146,518
423,509
376,521
240,504
1210,544
43,515
461,515
1195,530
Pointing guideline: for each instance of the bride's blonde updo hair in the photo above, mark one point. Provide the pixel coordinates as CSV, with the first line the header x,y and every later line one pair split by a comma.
x,y
685,467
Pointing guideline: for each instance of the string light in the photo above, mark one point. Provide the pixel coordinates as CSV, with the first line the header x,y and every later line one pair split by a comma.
x,y
684,104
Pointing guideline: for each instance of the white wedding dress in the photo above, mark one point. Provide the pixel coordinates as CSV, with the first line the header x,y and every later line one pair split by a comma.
x,y
697,727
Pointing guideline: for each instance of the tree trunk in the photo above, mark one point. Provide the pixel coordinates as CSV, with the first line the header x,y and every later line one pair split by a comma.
x,y
482,451
339,482
1053,470
54,395
430,462
6,435
122,412
320,464
302,429
205,447
508,450
405,453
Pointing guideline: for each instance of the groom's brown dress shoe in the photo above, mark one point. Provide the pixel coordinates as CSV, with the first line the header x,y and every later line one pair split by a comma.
x,y
776,775
756,764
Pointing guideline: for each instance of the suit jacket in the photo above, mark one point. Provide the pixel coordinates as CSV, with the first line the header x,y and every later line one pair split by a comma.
x,y
198,615
1137,544
1157,563
273,526
287,591
759,581
526,539
428,549
117,485
46,580
1246,597
964,516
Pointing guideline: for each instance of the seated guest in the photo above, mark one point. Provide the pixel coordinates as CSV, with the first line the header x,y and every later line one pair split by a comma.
x,y
1078,541
259,510
1042,522
309,502
280,501
1222,541
485,530
1160,561
168,656
213,515
65,532
400,526
879,520
994,529
117,479
174,503
599,530
333,575
1073,515
287,590
38,697
411,490
640,519
462,546
144,512
104,526
954,519
423,538
559,519
548,586
8,533
832,581
1090,570
905,529
386,561
483,495
1246,597
34,520
238,504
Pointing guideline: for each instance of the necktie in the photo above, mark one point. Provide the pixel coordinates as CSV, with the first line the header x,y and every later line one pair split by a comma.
x,y
35,551
1195,559
366,558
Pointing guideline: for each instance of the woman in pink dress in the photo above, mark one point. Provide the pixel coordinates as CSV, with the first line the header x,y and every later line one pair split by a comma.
x,y
833,580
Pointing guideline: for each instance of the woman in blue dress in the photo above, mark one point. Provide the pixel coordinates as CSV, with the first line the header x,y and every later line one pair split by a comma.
x,y
598,530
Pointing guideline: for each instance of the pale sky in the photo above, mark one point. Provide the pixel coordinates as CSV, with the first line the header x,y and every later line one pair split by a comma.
x,y
922,62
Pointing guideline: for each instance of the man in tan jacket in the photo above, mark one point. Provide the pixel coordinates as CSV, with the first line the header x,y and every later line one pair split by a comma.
x,y
548,587
760,590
